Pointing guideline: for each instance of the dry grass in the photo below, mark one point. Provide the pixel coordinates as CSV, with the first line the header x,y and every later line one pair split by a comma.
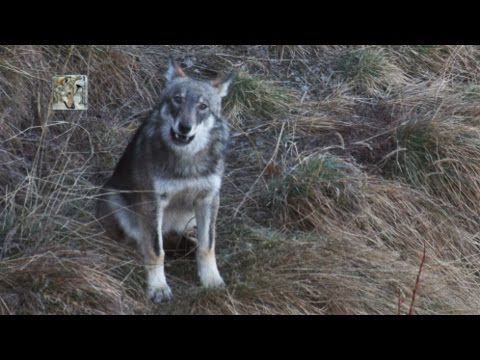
x,y
438,150
65,281
345,164
320,186
251,97
370,70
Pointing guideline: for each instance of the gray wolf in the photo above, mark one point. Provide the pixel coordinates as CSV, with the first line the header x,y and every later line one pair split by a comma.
x,y
168,179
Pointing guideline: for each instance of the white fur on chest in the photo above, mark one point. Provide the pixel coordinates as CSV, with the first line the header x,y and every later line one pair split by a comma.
x,y
177,198
172,187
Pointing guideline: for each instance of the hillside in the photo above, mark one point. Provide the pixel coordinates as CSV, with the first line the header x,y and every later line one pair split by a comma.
x,y
352,183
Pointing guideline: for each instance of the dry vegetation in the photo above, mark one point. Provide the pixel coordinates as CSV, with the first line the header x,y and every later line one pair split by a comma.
x,y
346,164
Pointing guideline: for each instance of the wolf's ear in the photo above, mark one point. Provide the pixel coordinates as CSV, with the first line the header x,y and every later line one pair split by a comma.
x,y
173,70
59,81
223,83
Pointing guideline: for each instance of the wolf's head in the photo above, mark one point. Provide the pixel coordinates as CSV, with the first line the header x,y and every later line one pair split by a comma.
x,y
190,107
65,90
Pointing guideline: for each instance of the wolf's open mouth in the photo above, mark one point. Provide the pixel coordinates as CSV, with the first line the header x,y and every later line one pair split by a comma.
x,y
180,139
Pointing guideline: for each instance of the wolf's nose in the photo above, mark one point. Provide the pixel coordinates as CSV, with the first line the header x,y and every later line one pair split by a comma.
x,y
184,129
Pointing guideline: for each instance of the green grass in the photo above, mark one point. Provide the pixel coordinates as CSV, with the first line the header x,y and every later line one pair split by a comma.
x,y
253,97
370,70
439,154
318,185
419,146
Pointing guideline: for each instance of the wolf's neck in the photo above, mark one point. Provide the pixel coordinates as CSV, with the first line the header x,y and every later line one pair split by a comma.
x,y
181,165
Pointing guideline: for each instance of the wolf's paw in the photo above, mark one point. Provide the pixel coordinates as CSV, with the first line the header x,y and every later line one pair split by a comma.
x,y
210,278
159,294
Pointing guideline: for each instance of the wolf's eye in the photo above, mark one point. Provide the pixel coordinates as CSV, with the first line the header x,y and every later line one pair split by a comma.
x,y
202,106
177,99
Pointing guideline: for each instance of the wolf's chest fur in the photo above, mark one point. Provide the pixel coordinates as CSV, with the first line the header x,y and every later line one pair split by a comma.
x,y
183,192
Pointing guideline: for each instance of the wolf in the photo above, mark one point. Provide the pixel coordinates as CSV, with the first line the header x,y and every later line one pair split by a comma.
x,y
168,180
64,91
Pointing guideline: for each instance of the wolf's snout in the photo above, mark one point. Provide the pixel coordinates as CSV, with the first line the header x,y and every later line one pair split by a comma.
x,y
184,128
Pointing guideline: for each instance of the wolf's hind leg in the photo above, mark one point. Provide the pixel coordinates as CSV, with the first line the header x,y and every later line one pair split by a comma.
x,y
126,218
119,222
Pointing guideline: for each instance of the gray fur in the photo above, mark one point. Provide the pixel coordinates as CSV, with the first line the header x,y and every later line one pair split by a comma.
x,y
169,176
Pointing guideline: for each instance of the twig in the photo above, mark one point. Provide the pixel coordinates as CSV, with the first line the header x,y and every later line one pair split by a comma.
x,y
417,283
261,174
399,300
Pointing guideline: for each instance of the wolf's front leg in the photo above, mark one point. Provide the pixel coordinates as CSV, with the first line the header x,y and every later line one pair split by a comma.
x,y
157,287
206,209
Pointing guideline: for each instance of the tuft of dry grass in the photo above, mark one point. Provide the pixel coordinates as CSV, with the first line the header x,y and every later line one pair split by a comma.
x,y
318,185
66,281
370,70
438,150
250,96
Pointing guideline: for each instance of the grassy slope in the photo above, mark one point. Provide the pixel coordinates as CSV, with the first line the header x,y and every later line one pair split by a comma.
x,y
345,164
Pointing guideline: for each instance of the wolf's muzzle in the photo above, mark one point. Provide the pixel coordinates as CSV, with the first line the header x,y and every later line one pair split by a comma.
x,y
180,139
